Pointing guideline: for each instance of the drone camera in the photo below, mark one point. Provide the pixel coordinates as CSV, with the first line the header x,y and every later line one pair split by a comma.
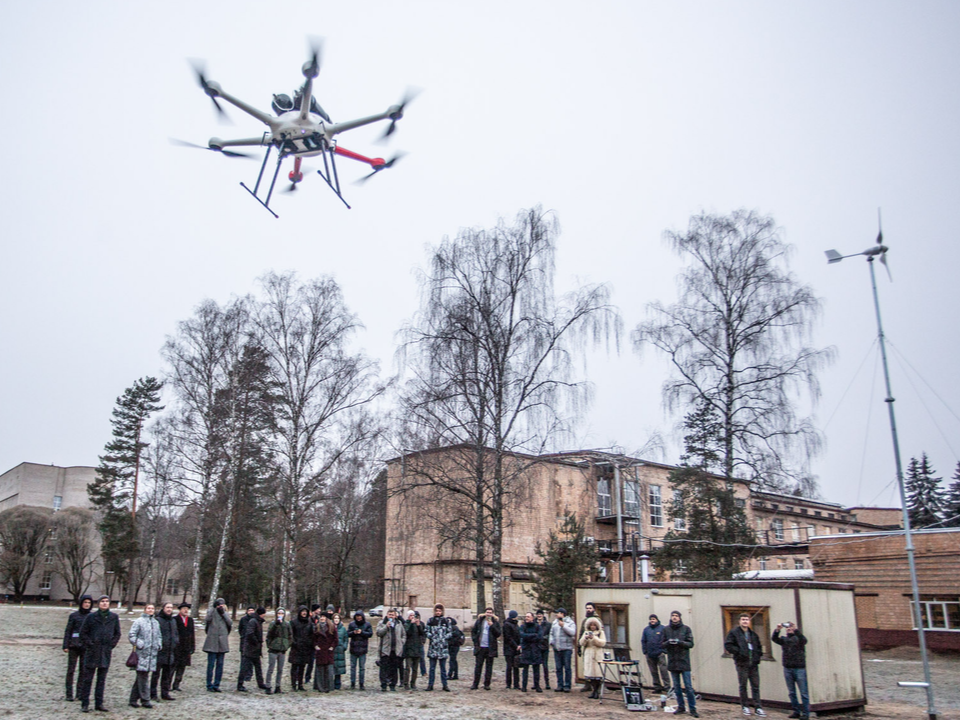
x,y
282,103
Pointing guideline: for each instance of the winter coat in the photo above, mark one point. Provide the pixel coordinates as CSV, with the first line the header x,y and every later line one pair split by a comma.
x,y
359,643
678,654
477,633
325,641
147,639
71,635
651,642
218,626
439,631
583,627
416,636
279,636
393,638
738,642
170,637
187,645
301,645
794,652
511,638
99,635
251,641
340,654
456,637
563,633
544,629
530,638
592,649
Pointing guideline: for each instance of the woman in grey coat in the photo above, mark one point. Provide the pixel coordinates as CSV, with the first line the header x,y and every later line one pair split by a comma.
x,y
145,637
217,644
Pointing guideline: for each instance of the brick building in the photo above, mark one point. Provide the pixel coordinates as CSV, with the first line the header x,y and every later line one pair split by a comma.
x,y
876,564
625,502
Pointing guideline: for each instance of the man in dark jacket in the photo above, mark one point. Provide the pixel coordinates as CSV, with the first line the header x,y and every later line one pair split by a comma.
x,y
743,644
72,645
485,632
99,635
794,667
531,654
166,658
412,649
217,642
315,611
544,627
651,642
453,646
186,646
511,649
301,649
678,639
251,648
359,631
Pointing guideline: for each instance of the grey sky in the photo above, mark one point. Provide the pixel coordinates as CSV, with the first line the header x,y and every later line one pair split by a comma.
x,y
625,118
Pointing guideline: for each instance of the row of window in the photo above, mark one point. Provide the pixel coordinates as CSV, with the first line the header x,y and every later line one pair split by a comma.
x,y
631,501
46,580
781,564
939,613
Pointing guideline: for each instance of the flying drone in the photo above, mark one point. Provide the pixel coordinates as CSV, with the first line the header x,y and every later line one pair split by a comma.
x,y
299,128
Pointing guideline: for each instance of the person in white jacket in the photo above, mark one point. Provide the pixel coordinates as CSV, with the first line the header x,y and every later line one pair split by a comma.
x,y
145,637
563,638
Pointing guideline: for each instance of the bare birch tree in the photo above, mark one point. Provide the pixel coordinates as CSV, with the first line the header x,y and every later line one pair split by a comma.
x,y
493,350
75,551
736,339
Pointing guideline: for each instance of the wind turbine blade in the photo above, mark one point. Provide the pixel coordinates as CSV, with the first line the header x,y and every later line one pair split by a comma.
x,y
883,259
833,256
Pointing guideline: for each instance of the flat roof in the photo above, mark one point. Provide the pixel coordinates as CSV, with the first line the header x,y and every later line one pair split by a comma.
x,y
718,584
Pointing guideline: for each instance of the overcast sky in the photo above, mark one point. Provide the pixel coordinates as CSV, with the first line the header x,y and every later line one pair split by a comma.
x,y
625,118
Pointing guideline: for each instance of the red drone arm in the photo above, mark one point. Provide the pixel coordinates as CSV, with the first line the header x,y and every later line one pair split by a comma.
x,y
372,162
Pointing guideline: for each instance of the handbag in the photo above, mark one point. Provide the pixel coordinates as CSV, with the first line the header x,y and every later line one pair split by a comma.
x,y
133,660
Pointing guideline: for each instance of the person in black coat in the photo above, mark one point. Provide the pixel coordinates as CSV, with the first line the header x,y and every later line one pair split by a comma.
x,y
166,658
744,645
531,652
99,635
453,647
359,631
301,648
485,632
794,667
187,645
251,649
511,649
678,639
72,645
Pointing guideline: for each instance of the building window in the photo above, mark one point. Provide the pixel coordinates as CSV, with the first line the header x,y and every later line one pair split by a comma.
x,y
631,499
46,579
798,564
679,524
680,567
759,621
811,531
842,531
604,501
57,502
827,530
795,531
938,613
52,534
173,586
763,563
48,557
614,619
740,502
777,527
781,563
656,506
817,513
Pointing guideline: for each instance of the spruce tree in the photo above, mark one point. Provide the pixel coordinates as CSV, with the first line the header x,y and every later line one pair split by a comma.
x,y
570,557
113,493
952,505
925,498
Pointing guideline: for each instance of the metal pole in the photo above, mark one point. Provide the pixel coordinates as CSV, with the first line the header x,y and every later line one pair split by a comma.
x,y
917,618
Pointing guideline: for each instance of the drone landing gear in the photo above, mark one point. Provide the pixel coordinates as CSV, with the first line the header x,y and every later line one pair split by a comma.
x,y
256,188
329,175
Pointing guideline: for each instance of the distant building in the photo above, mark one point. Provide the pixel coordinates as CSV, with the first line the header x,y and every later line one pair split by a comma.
x,y
876,564
625,502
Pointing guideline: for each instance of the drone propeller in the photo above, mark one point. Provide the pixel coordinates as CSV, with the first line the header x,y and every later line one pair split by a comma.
x,y
396,112
227,153
311,68
388,164
883,248
211,89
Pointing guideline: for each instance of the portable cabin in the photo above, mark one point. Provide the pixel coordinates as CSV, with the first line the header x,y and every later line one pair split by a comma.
x,y
824,612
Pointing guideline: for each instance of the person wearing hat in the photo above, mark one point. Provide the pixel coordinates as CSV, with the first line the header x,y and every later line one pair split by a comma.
x,y
301,647
314,617
651,644
279,640
544,627
592,642
251,648
359,632
678,639
511,649
186,629
454,644
563,635
99,635
217,644
72,646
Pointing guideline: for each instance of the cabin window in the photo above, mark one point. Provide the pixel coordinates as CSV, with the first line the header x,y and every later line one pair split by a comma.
x,y
759,621
938,612
614,619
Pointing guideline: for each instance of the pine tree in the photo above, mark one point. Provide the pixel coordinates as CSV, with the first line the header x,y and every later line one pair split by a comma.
x,y
925,498
716,540
569,558
113,493
952,504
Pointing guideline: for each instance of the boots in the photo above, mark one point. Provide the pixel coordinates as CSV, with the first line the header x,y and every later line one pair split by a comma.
x,y
595,695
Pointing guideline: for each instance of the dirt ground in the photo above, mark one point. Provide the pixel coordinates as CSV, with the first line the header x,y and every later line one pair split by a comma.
x,y
32,667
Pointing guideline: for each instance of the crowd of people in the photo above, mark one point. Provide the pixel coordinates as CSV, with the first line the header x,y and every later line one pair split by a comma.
x,y
316,643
